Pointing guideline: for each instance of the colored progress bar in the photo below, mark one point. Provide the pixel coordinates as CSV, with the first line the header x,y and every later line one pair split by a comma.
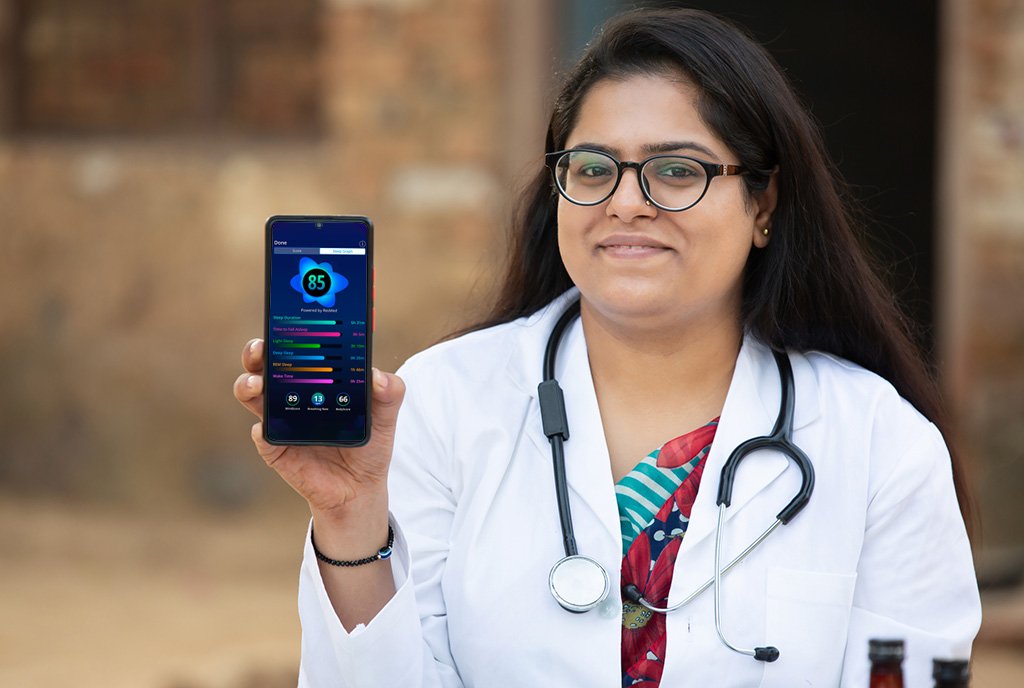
x,y
296,346
305,322
290,369
293,357
310,334
296,381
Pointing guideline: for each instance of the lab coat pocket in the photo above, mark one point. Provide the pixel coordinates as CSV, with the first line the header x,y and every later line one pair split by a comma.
x,y
808,615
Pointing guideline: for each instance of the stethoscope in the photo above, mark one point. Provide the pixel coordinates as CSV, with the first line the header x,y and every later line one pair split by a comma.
x,y
579,583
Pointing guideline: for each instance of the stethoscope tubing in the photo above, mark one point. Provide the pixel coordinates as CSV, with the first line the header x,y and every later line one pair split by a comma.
x,y
556,428
639,599
556,425
781,439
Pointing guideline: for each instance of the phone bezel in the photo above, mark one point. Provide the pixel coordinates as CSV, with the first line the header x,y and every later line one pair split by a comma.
x,y
268,253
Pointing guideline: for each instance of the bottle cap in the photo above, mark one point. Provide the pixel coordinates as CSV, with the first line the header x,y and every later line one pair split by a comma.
x,y
885,650
951,670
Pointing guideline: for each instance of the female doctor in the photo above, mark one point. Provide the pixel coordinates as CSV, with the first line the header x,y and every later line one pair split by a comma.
x,y
688,205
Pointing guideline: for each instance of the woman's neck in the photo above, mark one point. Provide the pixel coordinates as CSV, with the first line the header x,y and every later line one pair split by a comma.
x,y
657,380
686,362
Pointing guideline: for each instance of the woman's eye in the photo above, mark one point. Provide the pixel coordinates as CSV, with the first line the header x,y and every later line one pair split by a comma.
x,y
676,171
594,170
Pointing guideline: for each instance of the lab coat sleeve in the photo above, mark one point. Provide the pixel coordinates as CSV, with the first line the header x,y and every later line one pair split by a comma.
x,y
916,578
406,643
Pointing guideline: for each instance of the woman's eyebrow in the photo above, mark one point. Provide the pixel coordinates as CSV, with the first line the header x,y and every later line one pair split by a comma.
x,y
673,146
597,147
652,148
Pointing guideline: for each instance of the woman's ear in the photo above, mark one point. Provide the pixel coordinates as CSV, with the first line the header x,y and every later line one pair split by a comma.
x,y
764,209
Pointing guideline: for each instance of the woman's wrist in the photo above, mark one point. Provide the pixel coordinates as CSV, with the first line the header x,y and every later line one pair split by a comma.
x,y
353,531
380,555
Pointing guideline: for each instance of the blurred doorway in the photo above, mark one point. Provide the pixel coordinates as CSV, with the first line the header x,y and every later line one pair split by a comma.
x,y
868,72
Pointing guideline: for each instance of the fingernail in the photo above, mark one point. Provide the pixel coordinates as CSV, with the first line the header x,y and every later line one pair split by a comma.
x,y
252,346
251,382
380,380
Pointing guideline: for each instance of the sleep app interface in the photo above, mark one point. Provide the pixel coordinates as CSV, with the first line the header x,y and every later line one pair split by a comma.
x,y
318,320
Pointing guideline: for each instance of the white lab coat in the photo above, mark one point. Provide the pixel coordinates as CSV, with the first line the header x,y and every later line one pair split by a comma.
x,y
879,551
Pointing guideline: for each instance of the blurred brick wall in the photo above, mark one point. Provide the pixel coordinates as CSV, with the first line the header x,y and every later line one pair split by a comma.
x,y
132,264
983,271
132,270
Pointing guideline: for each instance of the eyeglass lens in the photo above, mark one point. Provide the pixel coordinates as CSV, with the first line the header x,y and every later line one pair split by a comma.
x,y
671,181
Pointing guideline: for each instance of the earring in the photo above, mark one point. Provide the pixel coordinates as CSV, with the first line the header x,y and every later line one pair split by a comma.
x,y
648,202
765,231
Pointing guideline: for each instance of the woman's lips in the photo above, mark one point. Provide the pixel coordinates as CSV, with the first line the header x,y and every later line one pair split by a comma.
x,y
631,247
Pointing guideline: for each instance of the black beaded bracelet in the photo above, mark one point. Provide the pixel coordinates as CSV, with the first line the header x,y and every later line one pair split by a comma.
x,y
384,552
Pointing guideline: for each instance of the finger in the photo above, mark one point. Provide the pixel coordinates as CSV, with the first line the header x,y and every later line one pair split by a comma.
x,y
252,356
388,392
248,389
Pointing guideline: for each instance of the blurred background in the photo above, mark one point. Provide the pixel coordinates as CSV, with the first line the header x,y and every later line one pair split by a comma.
x,y
144,142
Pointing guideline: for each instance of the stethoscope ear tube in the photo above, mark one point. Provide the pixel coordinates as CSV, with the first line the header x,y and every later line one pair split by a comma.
x,y
781,440
806,487
783,445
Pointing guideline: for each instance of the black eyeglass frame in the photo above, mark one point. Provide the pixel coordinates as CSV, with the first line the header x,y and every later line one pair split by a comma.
x,y
711,170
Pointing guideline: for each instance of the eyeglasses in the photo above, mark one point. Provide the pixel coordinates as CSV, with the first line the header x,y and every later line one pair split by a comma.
x,y
671,182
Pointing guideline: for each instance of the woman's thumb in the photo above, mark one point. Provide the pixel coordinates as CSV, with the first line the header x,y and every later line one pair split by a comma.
x,y
388,392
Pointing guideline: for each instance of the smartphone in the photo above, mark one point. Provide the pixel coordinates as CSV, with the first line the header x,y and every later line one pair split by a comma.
x,y
318,329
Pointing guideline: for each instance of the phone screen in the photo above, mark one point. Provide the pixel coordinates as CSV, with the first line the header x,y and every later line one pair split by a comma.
x,y
318,328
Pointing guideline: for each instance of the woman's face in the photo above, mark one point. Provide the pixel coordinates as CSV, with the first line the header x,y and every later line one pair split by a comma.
x,y
634,262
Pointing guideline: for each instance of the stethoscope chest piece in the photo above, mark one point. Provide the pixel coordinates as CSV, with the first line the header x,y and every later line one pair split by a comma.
x,y
579,583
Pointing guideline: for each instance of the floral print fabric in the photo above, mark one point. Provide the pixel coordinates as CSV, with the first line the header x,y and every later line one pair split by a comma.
x,y
655,500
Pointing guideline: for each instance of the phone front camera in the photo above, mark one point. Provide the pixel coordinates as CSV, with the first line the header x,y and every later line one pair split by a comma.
x,y
319,225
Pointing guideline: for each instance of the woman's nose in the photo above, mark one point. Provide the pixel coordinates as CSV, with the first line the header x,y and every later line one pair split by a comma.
x,y
628,202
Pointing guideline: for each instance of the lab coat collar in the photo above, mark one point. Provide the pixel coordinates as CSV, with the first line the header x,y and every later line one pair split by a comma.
x,y
525,362
750,410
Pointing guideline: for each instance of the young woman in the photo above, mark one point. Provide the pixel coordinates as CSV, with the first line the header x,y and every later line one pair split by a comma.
x,y
689,208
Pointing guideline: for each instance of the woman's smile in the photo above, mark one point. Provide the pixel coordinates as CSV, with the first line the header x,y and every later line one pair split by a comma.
x,y
631,246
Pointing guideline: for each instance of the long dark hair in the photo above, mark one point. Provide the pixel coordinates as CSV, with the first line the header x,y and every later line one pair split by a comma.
x,y
813,287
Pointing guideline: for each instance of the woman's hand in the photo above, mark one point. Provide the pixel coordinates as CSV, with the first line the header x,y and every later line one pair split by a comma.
x,y
334,480
346,489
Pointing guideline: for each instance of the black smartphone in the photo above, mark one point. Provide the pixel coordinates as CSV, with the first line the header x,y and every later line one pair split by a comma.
x,y
318,329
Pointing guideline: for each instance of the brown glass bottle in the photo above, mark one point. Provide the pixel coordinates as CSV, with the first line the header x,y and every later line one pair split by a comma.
x,y
951,673
886,663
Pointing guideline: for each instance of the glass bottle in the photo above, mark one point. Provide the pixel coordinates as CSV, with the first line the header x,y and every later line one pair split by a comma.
x,y
886,663
951,673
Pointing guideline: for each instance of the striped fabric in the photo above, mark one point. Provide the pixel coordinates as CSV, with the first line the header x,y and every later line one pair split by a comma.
x,y
643,491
